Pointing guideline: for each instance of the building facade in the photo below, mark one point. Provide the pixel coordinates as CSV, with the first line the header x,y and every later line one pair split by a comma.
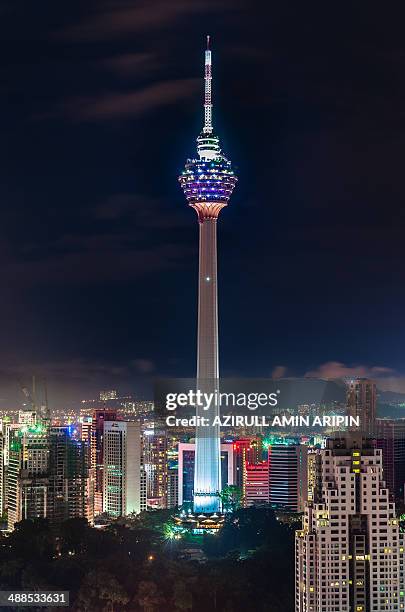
x,y
100,416
350,552
172,487
155,464
390,435
257,492
28,473
361,401
288,486
122,468
68,475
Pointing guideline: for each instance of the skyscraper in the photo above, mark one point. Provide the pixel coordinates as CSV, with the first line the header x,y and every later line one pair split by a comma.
x,y
68,475
207,183
28,473
122,468
245,451
85,435
172,487
390,434
350,552
288,485
97,453
361,401
257,483
2,471
155,465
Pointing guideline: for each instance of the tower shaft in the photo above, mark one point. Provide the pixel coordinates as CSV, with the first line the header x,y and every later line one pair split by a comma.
x,y
207,471
207,358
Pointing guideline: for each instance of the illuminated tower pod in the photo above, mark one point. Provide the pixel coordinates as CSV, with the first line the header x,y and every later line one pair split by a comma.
x,y
208,183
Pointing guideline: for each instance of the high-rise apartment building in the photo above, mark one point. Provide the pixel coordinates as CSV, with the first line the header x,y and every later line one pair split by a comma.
x,y
390,436
97,453
350,552
2,473
85,423
8,428
245,450
122,468
68,475
28,473
288,487
172,487
155,465
361,401
241,450
143,496
257,491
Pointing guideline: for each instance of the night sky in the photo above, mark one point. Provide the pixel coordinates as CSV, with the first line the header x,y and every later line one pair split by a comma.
x,y
100,106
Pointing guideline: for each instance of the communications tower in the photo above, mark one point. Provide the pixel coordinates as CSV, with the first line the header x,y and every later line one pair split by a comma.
x,y
207,182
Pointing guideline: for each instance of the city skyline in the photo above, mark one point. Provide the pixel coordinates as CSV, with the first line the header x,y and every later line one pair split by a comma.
x,y
209,419
103,256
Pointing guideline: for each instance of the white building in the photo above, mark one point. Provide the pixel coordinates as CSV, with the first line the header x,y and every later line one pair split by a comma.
x,y
350,552
122,468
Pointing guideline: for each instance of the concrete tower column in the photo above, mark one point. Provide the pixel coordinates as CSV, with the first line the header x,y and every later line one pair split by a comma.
x,y
207,471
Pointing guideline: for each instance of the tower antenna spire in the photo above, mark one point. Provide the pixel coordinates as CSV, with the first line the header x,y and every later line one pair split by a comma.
x,y
207,129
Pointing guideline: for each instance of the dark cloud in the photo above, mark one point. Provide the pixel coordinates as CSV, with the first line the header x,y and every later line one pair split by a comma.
x,y
144,366
116,105
111,248
335,369
279,372
92,260
387,379
110,19
143,211
131,64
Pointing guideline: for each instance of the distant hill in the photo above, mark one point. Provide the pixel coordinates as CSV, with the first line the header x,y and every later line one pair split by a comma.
x,y
389,404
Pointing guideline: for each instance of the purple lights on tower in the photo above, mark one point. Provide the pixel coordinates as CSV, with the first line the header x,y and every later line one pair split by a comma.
x,y
208,185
